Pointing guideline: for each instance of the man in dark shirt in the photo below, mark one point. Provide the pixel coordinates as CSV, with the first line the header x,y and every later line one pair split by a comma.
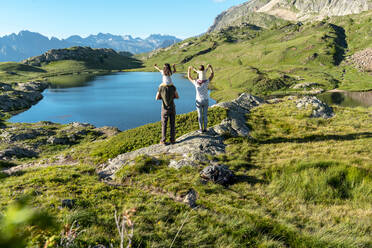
x,y
167,93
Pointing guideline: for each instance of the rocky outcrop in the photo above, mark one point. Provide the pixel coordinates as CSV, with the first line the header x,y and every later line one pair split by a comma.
x,y
19,96
319,108
25,141
243,13
299,10
193,148
16,152
362,60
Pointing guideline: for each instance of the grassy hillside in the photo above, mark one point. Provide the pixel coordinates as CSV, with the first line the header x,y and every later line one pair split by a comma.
x,y
271,61
66,72
302,182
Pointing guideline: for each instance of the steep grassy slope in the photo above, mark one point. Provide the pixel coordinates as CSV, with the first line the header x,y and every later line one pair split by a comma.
x,y
302,182
271,61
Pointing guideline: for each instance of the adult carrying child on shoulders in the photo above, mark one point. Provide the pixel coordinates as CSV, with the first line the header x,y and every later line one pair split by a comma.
x,y
202,94
167,92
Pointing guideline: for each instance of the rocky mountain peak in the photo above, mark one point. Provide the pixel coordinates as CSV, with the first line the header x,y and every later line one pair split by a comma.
x,y
260,12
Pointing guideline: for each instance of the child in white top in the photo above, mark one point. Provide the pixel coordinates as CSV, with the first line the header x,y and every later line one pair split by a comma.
x,y
166,73
202,74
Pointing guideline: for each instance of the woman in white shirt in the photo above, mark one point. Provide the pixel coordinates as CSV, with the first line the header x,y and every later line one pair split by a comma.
x,y
202,98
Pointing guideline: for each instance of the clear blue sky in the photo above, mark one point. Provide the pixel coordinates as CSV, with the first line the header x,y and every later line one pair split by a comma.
x,y
139,18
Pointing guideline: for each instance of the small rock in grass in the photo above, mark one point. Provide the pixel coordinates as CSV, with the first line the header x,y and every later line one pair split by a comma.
x,y
190,198
178,164
219,174
68,203
59,140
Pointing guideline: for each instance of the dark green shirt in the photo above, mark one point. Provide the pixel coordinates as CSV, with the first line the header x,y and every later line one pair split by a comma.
x,y
167,94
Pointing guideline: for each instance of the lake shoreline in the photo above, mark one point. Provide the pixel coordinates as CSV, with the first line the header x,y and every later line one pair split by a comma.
x,y
108,100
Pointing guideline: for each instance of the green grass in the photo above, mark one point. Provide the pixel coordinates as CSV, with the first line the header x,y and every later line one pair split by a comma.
x,y
262,59
301,182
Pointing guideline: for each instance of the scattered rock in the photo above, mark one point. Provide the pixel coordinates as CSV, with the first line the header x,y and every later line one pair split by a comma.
x,y
219,174
315,91
81,125
186,44
274,100
320,109
5,87
17,152
59,140
362,60
20,95
14,134
178,164
190,198
305,85
68,203
108,131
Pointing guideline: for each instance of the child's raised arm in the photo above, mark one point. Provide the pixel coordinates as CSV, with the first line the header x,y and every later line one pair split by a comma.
x,y
157,68
174,68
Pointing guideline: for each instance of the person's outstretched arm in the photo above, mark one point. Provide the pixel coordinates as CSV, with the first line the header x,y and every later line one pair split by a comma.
x,y
189,76
212,73
194,69
174,68
157,68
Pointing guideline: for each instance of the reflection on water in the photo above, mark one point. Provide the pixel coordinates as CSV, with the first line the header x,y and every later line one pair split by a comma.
x,y
348,99
67,81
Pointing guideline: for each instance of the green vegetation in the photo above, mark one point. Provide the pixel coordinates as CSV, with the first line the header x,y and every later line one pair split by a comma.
x,y
67,73
18,216
271,61
301,182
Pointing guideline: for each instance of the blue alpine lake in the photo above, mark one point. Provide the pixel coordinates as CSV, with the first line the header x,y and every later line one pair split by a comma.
x,y
124,100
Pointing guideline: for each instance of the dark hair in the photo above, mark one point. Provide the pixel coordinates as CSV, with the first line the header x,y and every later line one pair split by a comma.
x,y
167,70
201,68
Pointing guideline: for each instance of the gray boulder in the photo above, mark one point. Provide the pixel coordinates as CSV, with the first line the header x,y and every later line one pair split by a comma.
x,y
190,198
320,109
219,174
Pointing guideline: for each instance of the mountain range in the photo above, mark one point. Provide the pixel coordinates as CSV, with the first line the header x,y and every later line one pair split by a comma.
x,y
25,44
265,13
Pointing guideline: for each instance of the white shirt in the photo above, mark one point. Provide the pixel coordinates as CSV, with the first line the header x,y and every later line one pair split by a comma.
x,y
202,75
166,79
201,90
